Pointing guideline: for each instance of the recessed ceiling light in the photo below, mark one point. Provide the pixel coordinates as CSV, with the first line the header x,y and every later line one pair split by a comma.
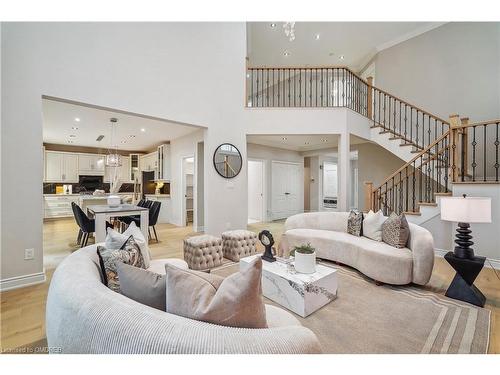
x,y
143,130
72,136
286,53
317,36
77,119
74,127
284,138
341,57
131,136
273,25
248,75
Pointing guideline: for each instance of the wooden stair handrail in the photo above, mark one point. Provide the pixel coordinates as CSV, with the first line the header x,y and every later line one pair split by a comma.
x,y
425,150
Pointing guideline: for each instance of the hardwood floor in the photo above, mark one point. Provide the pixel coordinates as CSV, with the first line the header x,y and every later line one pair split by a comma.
x,y
23,310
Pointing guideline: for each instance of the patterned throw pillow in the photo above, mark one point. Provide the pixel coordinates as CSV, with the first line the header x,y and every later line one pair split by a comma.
x,y
129,253
396,231
355,223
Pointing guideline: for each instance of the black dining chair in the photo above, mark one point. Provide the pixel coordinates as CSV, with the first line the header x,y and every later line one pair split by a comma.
x,y
153,214
77,219
87,226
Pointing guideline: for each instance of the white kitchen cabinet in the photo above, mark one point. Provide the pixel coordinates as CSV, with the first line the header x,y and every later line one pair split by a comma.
x,y
59,205
163,170
123,171
91,164
149,161
61,167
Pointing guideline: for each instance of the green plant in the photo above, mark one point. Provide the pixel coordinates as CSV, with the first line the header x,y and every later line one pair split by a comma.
x,y
303,249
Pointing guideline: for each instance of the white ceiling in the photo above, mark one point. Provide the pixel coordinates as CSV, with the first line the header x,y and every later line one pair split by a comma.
x,y
59,119
356,41
301,142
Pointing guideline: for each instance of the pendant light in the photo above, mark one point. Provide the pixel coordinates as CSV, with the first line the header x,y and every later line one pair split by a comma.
x,y
113,159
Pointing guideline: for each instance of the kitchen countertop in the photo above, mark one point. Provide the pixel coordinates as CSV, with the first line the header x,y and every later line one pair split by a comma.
x,y
158,195
83,195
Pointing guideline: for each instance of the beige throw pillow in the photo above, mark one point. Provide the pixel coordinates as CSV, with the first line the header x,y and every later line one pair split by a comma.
x,y
372,225
235,301
396,231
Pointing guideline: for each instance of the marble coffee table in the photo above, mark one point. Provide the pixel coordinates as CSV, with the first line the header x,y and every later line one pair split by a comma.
x,y
300,293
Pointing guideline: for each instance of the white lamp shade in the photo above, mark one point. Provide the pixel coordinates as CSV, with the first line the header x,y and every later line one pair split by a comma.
x,y
466,210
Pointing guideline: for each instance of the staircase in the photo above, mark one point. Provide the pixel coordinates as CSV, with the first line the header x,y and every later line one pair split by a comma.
x,y
438,153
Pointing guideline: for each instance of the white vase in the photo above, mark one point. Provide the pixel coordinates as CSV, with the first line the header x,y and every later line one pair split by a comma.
x,y
114,200
305,263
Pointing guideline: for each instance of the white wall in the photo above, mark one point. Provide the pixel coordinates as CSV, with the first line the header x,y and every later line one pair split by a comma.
x,y
269,154
186,72
454,68
486,236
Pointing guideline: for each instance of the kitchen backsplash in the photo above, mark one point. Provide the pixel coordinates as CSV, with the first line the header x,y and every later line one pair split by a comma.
x,y
50,188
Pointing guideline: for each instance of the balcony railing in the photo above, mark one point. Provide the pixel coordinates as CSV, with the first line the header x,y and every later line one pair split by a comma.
x,y
328,87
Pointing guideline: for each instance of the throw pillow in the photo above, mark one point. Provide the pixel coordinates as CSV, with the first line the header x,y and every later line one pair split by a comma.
x,y
396,231
115,240
141,285
235,301
372,225
129,253
355,223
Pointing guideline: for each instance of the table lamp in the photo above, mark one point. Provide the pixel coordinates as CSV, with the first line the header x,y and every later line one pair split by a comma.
x,y
465,210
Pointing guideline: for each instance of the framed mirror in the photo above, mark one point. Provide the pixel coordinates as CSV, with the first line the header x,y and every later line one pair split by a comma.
x,y
227,160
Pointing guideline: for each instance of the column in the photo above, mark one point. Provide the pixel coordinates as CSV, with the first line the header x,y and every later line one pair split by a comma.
x,y
343,169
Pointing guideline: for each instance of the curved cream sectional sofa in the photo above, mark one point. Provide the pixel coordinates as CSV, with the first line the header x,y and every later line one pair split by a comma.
x,y
84,316
327,232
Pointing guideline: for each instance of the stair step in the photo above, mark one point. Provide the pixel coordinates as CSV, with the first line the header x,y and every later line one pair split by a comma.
x,y
376,126
406,144
415,213
415,151
394,138
429,204
385,132
447,194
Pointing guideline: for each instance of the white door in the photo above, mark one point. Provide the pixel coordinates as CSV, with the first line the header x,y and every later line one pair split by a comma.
x,y
255,191
53,166
287,189
70,171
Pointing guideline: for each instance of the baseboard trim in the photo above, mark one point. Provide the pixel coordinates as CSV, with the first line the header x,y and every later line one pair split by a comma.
x,y
494,262
22,281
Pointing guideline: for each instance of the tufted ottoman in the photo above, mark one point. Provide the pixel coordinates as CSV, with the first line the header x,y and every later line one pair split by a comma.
x,y
203,252
238,244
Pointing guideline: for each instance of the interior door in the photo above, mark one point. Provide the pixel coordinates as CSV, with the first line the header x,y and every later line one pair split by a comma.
x,y
287,184
255,190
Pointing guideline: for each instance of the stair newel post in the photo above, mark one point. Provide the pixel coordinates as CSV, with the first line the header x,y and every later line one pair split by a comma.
x,y
369,99
464,151
454,131
369,194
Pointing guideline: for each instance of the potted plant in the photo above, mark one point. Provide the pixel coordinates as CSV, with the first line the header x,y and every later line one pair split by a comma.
x,y
305,258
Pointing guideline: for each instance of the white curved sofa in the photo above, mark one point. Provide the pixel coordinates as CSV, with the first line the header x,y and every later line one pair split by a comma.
x,y
327,232
84,316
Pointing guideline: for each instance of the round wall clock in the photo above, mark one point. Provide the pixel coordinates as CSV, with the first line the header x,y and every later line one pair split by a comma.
x,y
227,160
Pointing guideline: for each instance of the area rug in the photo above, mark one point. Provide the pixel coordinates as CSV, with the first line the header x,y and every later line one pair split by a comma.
x,y
366,318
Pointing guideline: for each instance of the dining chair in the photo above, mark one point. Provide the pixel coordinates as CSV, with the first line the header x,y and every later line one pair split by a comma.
x,y
87,226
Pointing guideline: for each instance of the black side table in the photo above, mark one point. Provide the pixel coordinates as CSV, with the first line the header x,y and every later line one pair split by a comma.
x,y
462,287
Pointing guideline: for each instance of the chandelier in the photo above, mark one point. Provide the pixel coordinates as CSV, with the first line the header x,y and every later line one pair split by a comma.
x,y
289,28
113,159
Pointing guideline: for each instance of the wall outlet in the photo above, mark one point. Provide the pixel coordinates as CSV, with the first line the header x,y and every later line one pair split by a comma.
x,y
29,254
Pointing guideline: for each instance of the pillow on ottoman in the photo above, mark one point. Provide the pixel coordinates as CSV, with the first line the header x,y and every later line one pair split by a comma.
x,y
355,223
395,231
235,301
129,253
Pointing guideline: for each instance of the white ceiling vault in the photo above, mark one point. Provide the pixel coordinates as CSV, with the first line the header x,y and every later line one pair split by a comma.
x,y
350,44
79,125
